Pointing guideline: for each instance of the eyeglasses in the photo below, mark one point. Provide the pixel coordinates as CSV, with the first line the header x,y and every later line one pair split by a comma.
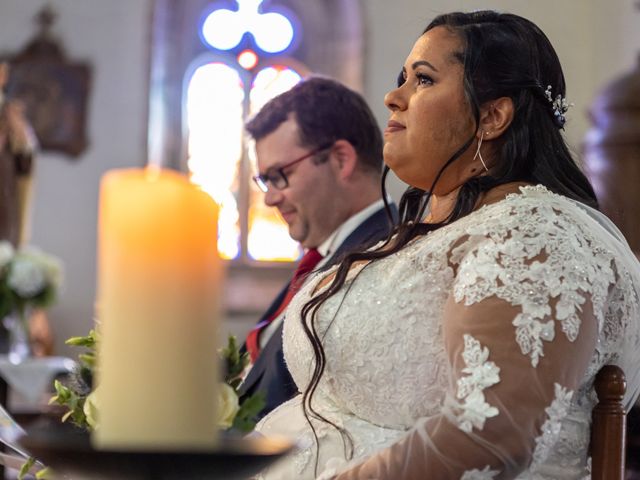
x,y
276,176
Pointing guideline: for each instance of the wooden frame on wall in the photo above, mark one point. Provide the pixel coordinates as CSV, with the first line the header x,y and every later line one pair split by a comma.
x,y
53,90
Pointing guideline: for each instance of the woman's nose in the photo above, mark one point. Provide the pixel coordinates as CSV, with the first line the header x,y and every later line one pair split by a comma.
x,y
393,100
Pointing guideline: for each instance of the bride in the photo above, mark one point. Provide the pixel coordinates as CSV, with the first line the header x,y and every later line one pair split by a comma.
x,y
466,345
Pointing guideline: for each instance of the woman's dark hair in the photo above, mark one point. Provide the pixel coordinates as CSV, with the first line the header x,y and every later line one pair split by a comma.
x,y
504,56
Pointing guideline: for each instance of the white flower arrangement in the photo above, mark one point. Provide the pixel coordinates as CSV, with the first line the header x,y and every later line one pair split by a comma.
x,y
28,278
82,398
228,406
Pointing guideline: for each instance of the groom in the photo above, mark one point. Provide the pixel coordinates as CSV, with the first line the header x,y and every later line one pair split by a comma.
x,y
319,159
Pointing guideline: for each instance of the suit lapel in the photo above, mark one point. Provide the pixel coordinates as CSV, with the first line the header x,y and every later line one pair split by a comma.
x,y
372,230
257,369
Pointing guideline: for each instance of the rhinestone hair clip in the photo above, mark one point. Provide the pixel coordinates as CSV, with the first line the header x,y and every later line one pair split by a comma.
x,y
559,105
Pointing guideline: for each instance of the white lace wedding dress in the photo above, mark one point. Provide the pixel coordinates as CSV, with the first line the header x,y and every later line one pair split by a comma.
x,y
469,354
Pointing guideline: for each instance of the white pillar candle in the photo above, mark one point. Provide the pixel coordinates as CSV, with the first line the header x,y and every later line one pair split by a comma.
x,y
159,281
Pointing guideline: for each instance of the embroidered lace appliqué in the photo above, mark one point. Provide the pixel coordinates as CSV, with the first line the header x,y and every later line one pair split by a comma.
x,y
556,412
544,258
479,374
485,474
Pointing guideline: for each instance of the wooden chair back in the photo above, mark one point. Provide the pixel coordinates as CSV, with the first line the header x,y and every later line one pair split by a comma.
x,y
608,428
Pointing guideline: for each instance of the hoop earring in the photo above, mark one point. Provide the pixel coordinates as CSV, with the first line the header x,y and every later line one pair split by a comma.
x,y
478,154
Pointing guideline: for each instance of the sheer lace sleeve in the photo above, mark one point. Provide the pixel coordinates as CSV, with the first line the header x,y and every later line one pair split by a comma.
x,y
520,328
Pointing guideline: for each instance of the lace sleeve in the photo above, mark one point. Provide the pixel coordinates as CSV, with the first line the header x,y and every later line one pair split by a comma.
x,y
519,330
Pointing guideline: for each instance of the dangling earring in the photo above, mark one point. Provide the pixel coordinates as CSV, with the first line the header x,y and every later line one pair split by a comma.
x,y
478,154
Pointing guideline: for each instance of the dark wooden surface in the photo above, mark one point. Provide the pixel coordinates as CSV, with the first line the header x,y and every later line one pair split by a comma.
x,y
608,430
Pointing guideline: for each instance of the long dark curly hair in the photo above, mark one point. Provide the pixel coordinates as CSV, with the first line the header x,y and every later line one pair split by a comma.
x,y
504,55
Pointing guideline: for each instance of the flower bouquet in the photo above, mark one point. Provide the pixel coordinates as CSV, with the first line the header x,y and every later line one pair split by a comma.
x,y
81,397
29,278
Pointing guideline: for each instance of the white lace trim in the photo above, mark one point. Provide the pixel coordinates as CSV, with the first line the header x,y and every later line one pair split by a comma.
x,y
480,374
485,474
543,259
556,412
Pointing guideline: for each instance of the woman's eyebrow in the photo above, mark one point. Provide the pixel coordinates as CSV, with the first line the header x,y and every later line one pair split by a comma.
x,y
419,63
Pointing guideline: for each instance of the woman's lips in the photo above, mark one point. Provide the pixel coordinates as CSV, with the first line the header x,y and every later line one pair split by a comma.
x,y
393,126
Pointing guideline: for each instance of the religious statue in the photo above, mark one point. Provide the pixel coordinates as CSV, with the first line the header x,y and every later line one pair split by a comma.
x,y
17,146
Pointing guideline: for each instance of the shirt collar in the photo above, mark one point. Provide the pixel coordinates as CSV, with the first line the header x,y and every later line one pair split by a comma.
x,y
340,234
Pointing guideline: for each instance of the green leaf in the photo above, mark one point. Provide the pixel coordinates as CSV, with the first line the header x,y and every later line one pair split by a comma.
x,y
245,420
74,403
26,466
88,341
45,474
88,359
235,361
63,394
235,383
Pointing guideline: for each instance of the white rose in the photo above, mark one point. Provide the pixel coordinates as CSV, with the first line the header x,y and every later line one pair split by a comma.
x,y
6,253
90,409
51,266
228,406
26,277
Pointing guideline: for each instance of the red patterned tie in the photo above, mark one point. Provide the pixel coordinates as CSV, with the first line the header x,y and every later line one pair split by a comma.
x,y
307,263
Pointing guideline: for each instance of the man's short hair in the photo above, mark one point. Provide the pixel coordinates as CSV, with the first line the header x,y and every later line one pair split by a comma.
x,y
325,111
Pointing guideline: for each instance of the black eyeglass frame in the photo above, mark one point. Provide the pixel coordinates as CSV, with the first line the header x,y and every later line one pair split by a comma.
x,y
281,181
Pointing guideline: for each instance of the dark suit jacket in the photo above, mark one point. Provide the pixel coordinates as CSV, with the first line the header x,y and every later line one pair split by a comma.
x,y
269,374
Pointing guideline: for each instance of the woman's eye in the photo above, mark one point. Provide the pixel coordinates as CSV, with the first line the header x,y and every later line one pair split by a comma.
x,y
424,79
401,79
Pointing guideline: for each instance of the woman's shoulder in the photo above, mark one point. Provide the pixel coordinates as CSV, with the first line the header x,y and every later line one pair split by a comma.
x,y
528,222
509,210
524,206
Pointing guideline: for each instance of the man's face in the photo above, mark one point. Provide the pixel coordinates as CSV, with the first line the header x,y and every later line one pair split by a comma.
x,y
309,203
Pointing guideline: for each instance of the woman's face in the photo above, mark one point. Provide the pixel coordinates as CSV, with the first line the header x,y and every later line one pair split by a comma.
x,y
430,116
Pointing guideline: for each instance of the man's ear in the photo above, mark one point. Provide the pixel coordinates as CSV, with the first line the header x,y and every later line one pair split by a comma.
x,y
344,159
495,118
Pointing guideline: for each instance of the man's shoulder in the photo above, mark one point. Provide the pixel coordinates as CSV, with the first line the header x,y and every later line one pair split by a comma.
x,y
377,223
370,230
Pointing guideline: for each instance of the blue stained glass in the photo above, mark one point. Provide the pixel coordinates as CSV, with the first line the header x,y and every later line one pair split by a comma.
x,y
224,29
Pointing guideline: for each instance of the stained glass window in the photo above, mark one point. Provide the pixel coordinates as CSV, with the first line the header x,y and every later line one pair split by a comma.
x,y
220,96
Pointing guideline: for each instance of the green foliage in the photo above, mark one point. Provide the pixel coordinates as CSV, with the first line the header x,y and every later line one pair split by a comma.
x,y
235,362
87,360
6,300
74,395
245,420
18,289
45,474
73,400
90,341
26,466
42,474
